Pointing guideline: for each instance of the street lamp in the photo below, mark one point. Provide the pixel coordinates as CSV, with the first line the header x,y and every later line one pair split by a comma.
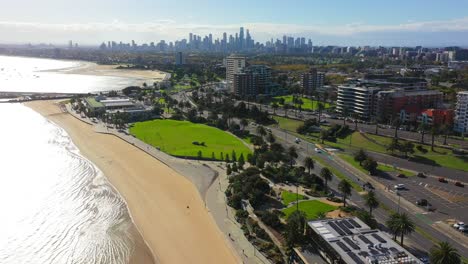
x,y
399,196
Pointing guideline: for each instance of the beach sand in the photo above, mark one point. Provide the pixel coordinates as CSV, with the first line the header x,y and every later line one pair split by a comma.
x,y
91,68
166,208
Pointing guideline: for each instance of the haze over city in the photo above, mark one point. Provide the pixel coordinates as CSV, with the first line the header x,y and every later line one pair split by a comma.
x,y
401,23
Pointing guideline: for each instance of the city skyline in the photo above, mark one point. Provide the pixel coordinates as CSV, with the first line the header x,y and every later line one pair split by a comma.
x,y
339,23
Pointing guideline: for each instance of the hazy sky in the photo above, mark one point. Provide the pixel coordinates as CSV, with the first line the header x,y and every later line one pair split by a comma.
x,y
341,22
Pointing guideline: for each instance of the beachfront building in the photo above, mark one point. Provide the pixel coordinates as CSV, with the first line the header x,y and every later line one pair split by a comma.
x,y
98,105
351,241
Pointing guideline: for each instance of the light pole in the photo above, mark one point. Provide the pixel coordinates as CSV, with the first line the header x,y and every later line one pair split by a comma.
x,y
399,196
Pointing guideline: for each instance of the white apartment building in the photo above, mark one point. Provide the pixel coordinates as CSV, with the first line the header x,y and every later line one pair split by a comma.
x,y
234,65
356,100
461,113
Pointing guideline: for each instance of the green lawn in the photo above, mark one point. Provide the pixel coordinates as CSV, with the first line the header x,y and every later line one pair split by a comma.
x,y
287,123
381,167
177,137
308,103
288,197
310,208
438,157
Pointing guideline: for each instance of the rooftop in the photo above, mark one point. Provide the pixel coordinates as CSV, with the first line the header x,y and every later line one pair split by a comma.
x,y
91,101
356,243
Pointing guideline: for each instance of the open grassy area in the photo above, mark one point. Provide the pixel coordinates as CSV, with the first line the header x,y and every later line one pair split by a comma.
x,y
308,103
288,197
381,167
438,157
287,123
310,208
177,137
338,174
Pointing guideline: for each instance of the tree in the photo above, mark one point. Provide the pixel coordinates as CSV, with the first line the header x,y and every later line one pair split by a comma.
x,y
370,165
320,109
270,138
434,132
422,129
320,215
445,130
213,157
292,154
407,147
444,253
394,145
243,123
285,107
227,158
261,131
199,154
360,156
396,124
228,169
327,175
241,161
400,224
274,106
323,135
234,167
371,201
295,228
309,163
345,188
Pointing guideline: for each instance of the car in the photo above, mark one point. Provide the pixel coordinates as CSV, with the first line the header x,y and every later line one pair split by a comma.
x,y
422,202
318,150
459,184
368,185
424,260
442,179
458,225
401,175
399,186
463,228
421,175
297,140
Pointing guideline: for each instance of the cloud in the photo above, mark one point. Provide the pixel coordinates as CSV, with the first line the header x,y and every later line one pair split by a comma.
x,y
93,33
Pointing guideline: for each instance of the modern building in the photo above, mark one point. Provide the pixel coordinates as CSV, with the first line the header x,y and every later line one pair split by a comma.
x,y
461,113
98,105
356,101
351,241
234,65
436,117
179,58
253,80
312,81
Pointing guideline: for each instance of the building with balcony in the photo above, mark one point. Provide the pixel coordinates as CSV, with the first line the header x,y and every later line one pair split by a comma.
x,y
356,101
234,65
461,113
312,81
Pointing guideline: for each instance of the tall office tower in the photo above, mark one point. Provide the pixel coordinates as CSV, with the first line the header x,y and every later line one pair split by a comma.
x,y
224,42
284,40
303,43
461,113
70,44
312,81
190,38
179,58
234,65
248,39
236,45
241,39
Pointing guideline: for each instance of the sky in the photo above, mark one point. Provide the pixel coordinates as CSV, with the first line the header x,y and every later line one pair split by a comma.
x,y
330,22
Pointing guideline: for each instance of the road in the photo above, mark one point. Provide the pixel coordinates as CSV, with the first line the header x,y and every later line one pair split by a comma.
x,y
419,243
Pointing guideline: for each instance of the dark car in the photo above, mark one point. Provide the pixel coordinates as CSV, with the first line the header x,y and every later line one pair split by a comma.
x,y
422,202
368,185
459,184
401,175
442,179
421,175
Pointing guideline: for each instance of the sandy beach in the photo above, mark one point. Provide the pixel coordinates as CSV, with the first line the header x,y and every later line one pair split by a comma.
x,y
91,68
166,207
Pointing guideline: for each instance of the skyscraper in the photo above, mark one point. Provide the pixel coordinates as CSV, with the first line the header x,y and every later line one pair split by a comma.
x,y
179,58
241,39
234,65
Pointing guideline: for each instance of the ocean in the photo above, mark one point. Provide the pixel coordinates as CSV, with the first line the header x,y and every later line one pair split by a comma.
x,y
56,206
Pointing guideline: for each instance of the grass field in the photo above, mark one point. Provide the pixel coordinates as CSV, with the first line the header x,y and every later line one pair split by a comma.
x,y
288,197
339,174
287,123
177,137
438,157
381,167
308,103
310,208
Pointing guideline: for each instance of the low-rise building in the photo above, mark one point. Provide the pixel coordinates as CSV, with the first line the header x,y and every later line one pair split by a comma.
x,y
98,105
351,241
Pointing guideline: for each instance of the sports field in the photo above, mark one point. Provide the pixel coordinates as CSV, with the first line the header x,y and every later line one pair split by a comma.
x,y
185,139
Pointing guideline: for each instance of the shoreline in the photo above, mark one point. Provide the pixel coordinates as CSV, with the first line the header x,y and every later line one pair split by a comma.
x,y
165,207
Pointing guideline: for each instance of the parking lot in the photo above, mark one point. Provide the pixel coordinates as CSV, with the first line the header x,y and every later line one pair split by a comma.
x,y
447,200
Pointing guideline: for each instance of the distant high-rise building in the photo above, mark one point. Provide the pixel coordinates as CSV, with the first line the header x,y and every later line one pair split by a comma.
x,y
461,113
70,44
234,65
312,81
179,58
241,38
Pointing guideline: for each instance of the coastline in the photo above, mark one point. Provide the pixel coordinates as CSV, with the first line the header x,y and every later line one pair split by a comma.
x,y
166,207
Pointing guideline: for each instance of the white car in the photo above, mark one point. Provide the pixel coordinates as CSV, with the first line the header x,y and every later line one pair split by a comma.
x,y
399,186
297,140
318,150
458,225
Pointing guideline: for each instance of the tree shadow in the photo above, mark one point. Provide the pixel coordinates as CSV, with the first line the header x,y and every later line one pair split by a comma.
x,y
423,160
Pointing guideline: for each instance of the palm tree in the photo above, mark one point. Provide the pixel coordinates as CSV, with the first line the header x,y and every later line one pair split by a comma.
x,y
345,113
396,123
274,106
444,253
309,163
400,224
434,132
422,128
345,188
371,201
320,215
327,175
445,130
292,153
261,131
320,109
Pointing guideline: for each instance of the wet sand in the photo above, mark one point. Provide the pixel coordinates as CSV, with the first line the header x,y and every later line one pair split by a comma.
x,y
166,207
